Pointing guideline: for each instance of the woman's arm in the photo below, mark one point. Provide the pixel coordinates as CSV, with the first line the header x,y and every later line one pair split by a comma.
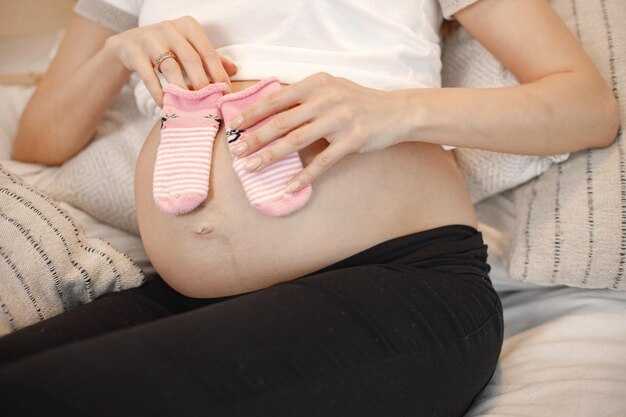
x,y
70,100
88,72
562,104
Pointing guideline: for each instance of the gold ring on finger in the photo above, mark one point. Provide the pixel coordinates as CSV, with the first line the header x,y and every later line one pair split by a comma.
x,y
162,57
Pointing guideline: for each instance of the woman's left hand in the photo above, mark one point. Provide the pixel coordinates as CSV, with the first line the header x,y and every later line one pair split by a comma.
x,y
352,118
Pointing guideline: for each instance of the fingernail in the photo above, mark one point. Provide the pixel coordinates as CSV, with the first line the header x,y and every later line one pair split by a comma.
x,y
293,186
236,123
253,164
239,148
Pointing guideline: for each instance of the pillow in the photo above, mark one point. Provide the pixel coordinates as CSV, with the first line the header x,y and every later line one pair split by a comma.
x,y
99,180
571,221
47,264
466,63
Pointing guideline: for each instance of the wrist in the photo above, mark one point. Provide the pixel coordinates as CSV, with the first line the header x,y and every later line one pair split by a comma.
x,y
409,115
426,117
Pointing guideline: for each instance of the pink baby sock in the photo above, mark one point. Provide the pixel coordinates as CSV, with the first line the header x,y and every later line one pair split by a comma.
x,y
183,162
264,188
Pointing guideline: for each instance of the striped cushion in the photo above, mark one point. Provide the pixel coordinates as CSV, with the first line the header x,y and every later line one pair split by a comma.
x,y
47,264
571,221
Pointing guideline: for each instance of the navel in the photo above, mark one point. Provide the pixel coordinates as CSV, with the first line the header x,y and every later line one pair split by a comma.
x,y
203,229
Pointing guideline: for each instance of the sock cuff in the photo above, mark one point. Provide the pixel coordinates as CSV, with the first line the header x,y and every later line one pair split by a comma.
x,y
246,92
197,94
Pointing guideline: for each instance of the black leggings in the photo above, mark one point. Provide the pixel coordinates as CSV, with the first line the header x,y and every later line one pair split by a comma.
x,y
409,327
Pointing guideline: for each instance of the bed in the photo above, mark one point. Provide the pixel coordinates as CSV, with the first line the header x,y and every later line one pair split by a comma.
x,y
564,352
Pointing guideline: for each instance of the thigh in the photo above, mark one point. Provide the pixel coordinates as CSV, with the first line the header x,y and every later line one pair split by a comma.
x,y
111,312
364,341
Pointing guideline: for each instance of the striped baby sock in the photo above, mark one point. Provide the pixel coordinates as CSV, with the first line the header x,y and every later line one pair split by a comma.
x,y
183,162
264,188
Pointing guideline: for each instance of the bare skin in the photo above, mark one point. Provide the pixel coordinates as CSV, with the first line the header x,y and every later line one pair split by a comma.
x,y
226,247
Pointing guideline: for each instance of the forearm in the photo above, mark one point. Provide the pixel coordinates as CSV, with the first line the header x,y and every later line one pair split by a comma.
x,y
62,116
560,113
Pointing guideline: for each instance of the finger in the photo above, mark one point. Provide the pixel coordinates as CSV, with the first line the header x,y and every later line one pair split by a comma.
x,y
322,162
273,103
210,58
169,67
173,73
278,127
190,60
229,66
148,76
293,142
215,68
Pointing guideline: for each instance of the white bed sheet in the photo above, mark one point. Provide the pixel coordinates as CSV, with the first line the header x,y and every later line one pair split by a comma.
x,y
564,353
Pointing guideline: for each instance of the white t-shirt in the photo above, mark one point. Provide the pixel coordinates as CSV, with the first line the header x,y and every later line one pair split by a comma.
x,y
378,44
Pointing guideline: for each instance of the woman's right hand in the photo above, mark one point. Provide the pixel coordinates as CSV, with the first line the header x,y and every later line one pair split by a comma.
x,y
137,49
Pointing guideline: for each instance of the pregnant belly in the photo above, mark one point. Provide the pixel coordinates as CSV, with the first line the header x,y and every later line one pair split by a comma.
x,y
227,247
